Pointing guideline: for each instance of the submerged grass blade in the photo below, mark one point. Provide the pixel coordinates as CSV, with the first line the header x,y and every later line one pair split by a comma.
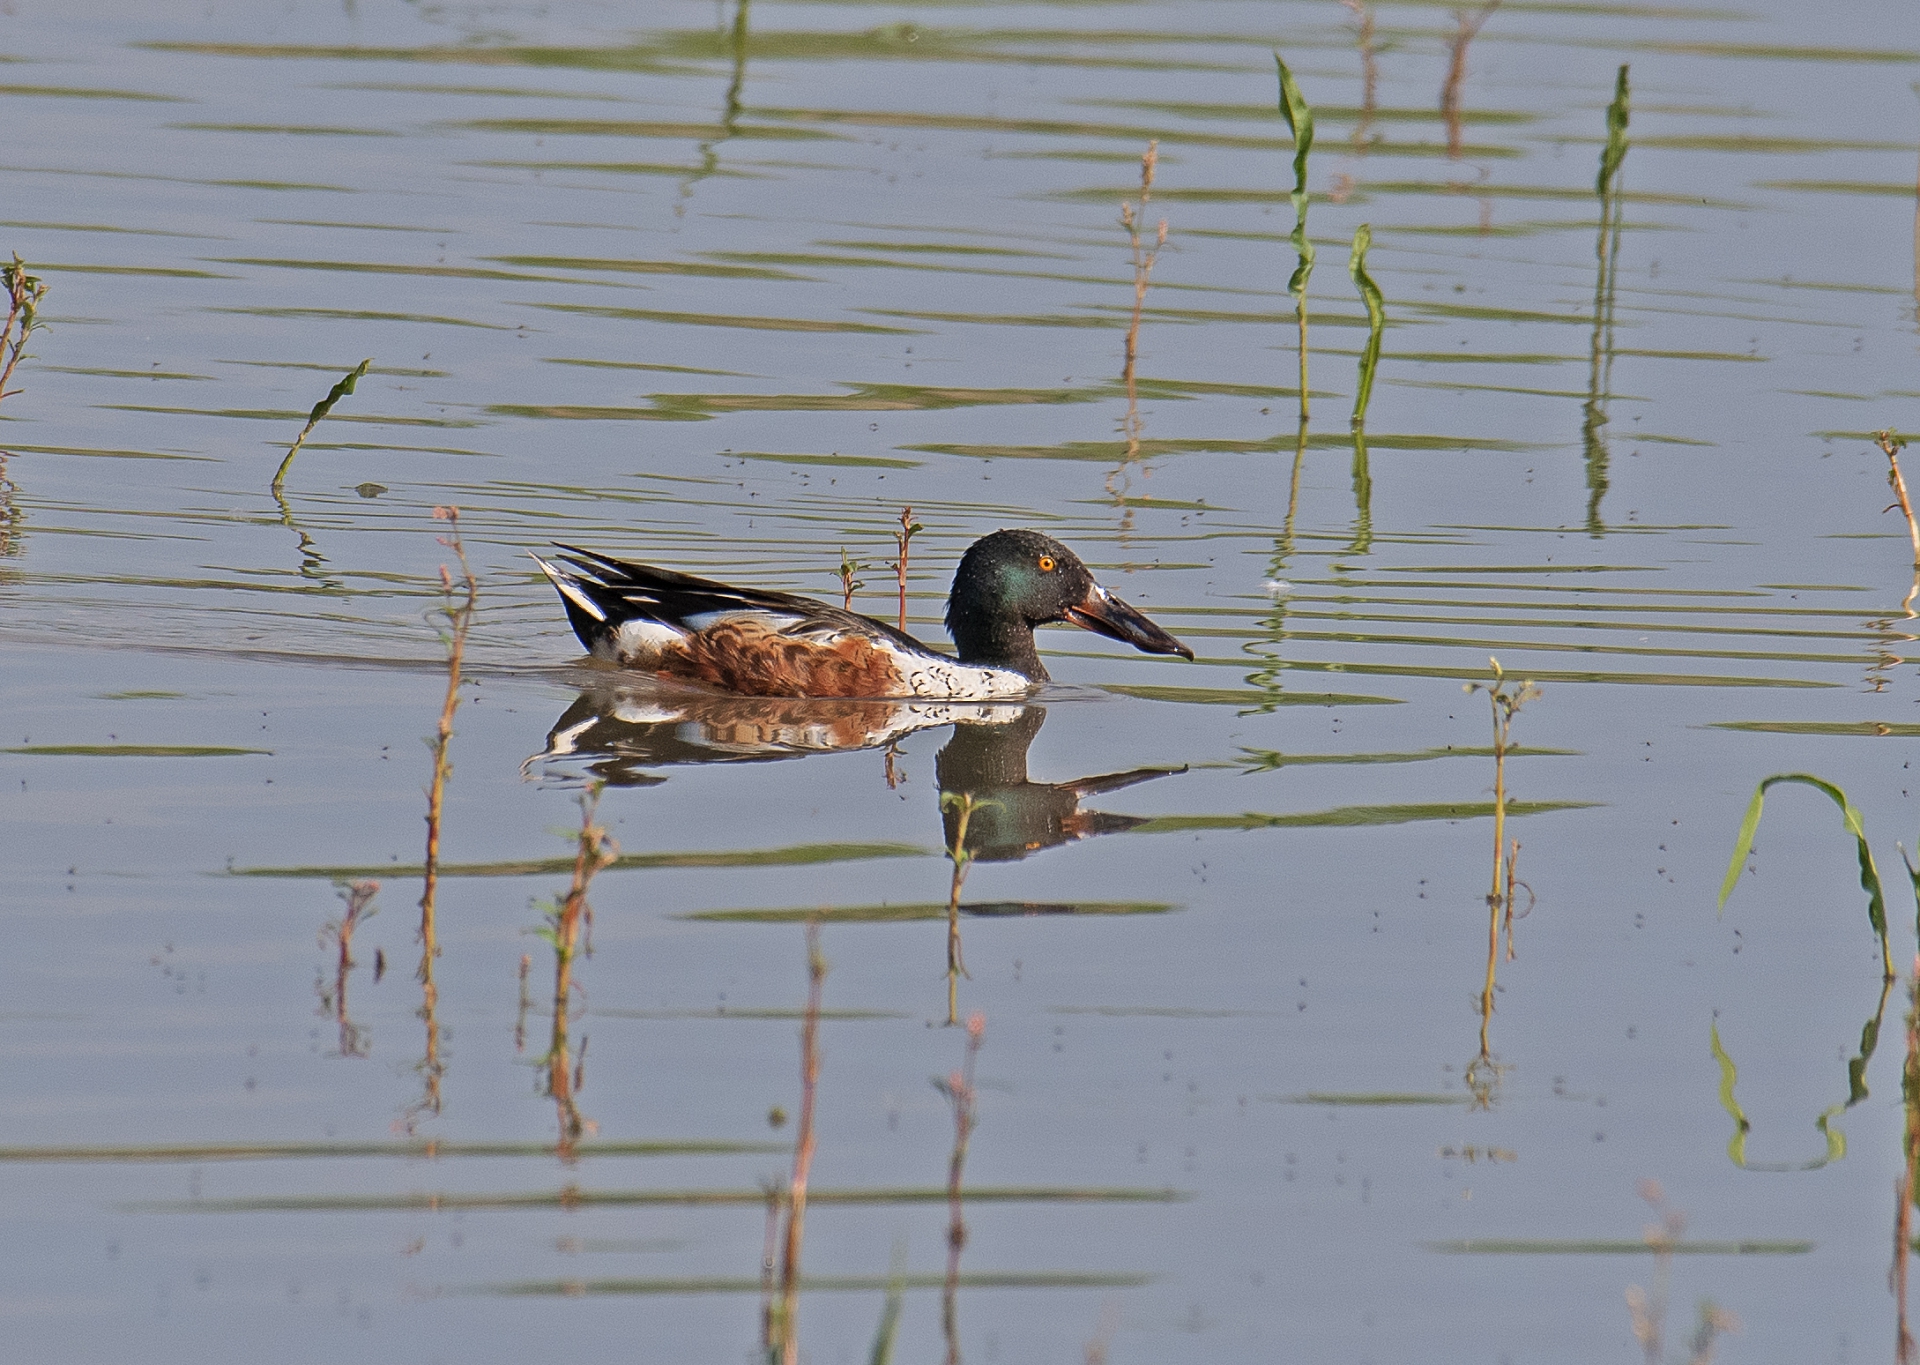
x,y
320,410
1869,871
1376,320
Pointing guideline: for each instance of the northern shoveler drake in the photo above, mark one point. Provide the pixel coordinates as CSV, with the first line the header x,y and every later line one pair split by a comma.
x,y
774,644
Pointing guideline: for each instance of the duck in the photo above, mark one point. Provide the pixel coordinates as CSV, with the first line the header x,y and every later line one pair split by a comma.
x,y
750,642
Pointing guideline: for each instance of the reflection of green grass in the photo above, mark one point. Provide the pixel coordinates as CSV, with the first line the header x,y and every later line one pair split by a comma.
x,y
574,1197
1244,696
418,1150
1596,1246
1385,1099
718,1284
1876,728
132,751
895,914
1267,760
1351,817
795,855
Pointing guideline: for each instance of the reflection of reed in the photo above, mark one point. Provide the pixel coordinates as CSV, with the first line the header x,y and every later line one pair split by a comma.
x,y
1505,701
960,1093
1466,27
1909,1167
963,805
333,1003
730,117
1132,217
1649,1310
569,929
782,1337
11,516
1369,74
457,607
1299,116
1606,250
1274,626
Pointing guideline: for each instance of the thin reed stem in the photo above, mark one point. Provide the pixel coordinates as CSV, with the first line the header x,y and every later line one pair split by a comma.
x,y
963,804
1369,75
359,909
1466,27
570,930
903,538
457,607
24,293
1892,443
1131,217
788,1340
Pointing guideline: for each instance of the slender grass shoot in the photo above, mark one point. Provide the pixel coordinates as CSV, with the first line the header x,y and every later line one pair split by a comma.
x,y
1376,320
320,410
1299,116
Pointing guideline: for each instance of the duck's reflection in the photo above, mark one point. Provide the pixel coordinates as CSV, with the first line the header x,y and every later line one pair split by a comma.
x,y
620,733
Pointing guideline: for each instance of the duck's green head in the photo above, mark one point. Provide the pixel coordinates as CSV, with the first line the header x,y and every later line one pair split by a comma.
x,y
1011,581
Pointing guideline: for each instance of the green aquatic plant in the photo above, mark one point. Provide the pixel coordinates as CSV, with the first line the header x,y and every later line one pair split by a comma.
x,y
1505,701
1299,116
1892,443
848,583
1869,870
320,410
24,293
1376,324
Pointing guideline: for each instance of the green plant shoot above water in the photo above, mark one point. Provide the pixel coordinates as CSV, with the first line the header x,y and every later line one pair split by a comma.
x,y
320,410
1299,116
24,293
1869,870
1376,322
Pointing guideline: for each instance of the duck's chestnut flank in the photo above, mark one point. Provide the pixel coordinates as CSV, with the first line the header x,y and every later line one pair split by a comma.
x,y
774,644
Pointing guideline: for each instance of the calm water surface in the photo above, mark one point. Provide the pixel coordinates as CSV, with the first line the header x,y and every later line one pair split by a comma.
x,y
724,288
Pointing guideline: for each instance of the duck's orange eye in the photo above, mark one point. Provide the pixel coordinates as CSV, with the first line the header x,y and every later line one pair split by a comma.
x,y
1046,563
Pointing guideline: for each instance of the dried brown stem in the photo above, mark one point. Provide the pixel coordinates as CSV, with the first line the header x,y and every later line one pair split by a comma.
x,y
903,538
1892,443
787,1338
457,608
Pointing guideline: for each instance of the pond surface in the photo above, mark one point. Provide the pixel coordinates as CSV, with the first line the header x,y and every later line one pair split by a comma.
x,y
726,293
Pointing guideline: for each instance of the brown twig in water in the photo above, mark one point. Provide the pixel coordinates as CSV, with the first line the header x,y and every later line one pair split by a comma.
x,y
457,607
785,1338
1893,443
359,898
1131,217
1506,703
1369,74
1904,1187
1466,27
569,929
903,538
24,293
960,1093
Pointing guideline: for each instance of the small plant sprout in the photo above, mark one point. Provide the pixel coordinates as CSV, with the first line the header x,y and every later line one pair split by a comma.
x,y
959,1089
1376,321
320,410
1299,116
457,602
903,538
1869,870
1893,443
1133,217
848,583
1505,700
24,293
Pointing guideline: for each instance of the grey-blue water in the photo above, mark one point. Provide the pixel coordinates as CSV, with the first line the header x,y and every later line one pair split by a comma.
x,y
724,289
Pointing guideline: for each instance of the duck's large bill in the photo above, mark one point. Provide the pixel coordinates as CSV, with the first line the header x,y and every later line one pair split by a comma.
x,y
1105,614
